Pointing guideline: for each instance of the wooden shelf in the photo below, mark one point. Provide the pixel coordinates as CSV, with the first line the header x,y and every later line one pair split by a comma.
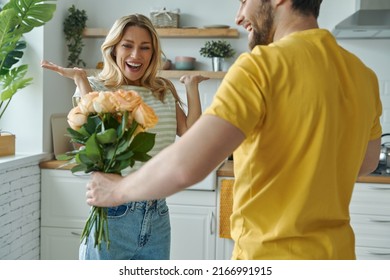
x,y
173,74
175,32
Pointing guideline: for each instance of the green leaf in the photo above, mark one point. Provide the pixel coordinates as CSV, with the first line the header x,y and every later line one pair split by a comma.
x,y
93,150
12,57
119,165
143,142
78,168
84,159
93,124
141,157
125,156
107,137
64,157
77,136
33,13
13,81
16,18
8,40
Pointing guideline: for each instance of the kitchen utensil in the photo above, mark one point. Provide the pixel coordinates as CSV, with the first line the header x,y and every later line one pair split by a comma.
x,y
384,157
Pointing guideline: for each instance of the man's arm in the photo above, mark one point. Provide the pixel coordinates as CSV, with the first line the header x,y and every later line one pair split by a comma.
x,y
182,164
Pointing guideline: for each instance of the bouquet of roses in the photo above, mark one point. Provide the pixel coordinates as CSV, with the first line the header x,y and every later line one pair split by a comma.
x,y
110,127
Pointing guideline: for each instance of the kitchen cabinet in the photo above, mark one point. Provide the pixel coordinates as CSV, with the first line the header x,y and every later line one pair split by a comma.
x,y
63,213
369,211
193,225
370,219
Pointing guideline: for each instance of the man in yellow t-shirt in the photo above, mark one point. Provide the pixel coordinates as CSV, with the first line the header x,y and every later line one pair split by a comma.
x,y
302,115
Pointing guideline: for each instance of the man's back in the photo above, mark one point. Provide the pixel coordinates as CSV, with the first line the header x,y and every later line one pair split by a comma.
x,y
310,109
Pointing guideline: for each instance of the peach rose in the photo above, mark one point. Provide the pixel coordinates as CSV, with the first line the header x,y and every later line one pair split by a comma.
x,y
145,116
105,102
86,102
127,100
76,118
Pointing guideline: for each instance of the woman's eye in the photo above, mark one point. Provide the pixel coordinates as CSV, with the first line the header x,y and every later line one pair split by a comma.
x,y
126,46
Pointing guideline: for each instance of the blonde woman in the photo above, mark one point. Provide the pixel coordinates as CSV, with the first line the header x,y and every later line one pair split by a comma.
x,y
131,56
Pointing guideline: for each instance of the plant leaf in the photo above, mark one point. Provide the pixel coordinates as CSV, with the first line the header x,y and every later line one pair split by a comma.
x,y
93,150
33,13
141,157
13,81
107,137
143,142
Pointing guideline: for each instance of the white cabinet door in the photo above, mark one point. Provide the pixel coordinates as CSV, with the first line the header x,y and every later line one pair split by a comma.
x,y
192,232
370,220
63,199
60,243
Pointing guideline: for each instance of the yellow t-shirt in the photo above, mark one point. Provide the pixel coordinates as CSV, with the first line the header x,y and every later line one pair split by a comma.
x,y
308,108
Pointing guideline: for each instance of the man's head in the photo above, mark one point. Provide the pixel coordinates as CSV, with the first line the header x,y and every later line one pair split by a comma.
x,y
262,17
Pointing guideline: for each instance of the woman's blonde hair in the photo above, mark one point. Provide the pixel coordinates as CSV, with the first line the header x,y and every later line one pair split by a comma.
x,y
111,74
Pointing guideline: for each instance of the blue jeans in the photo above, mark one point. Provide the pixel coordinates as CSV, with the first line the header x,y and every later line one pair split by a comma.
x,y
137,230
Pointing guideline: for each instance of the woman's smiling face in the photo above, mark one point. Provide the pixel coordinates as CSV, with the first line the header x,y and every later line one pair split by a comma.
x,y
134,53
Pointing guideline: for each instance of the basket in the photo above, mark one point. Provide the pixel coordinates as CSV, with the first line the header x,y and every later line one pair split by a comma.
x,y
165,19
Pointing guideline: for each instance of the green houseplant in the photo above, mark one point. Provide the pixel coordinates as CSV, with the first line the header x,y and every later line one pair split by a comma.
x,y
218,48
217,51
16,19
74,25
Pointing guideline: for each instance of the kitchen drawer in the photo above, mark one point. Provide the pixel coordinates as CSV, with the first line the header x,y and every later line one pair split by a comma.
x,y
60,243
371,231
371,199
368,253
63,199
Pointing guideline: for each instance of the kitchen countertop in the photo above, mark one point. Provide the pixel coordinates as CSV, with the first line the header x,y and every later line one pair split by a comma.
x,y
56,164
226,170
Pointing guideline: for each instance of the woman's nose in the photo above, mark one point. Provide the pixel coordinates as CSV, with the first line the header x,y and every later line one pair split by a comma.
x,y
134,53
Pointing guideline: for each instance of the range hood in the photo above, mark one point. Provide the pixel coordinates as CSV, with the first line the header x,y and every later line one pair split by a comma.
x,y
371,21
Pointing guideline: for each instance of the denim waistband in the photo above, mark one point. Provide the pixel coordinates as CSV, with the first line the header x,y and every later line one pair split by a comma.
x,y
145,204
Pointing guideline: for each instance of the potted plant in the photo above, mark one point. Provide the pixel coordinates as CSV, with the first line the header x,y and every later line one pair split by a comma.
x,y
217,51
74,25
17,18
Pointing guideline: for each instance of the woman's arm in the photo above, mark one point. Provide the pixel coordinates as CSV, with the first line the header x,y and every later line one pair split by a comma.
x,y
184,122
78,75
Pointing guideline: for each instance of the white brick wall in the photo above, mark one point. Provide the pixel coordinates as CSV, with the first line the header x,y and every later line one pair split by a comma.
x,y
20,211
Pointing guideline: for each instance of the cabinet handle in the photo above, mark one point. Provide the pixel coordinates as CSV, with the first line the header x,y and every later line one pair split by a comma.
x,y
379,188
212,223
75,233
376,220
378,253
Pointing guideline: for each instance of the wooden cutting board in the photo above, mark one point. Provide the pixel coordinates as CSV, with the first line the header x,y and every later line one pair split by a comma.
x,y
61,142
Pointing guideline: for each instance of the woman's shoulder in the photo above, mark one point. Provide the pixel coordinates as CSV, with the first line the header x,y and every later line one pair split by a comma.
x,y
96,84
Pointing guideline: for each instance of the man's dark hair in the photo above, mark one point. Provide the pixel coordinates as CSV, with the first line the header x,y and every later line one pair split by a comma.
x,y
307,7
